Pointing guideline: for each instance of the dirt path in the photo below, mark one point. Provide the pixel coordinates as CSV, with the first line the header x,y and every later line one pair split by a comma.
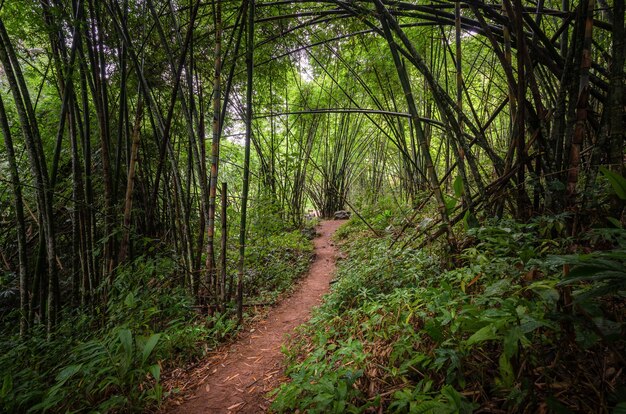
x,y
239,380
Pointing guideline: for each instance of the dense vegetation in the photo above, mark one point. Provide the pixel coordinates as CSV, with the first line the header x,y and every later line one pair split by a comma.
x,y
408,330
111,358
479,144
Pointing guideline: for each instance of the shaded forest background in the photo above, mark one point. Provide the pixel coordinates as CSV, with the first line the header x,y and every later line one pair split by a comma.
x,y
173,146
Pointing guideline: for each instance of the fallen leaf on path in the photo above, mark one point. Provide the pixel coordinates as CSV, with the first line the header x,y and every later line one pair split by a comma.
x,y
230,378
232,407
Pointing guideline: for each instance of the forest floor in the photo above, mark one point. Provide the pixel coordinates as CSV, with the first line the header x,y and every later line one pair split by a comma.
x,y
238,378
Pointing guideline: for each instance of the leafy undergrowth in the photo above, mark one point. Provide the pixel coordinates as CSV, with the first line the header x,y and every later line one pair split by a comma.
x,y
400,333
278,260
111,359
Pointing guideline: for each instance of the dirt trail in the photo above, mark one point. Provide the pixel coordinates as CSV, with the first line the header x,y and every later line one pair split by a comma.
x,y
253,365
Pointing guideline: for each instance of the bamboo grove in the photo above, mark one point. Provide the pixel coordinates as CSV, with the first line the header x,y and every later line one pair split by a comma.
x,y
121,118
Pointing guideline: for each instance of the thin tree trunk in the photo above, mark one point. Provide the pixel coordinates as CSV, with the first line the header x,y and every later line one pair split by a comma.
x,y
616,94
246,162
130,183
406,86
581,105
18,205
34,146
223,244
102,112
215,143
520,118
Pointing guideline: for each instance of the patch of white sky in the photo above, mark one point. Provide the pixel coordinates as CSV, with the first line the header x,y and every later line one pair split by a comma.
x,y
304,67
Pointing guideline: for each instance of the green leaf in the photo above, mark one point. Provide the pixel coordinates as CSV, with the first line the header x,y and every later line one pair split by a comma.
x,y
68,372
617,182
7,385
129,300
150,344
596,276
470,221
615,222
485,333
458,186
506,371
452,395
450,203
126,339
342,390
155,371
425,407
511,341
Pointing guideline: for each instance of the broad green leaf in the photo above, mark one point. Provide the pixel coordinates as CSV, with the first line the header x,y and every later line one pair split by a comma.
x,y
150,344
450,203
458,186
485,333
129,300
126,339
155,371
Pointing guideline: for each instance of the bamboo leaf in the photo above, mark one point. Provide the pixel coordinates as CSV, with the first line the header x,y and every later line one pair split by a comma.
x,y
615,222
617,182
68,372
7,385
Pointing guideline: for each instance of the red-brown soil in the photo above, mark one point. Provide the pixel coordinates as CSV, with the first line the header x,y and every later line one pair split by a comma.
x,y
238,379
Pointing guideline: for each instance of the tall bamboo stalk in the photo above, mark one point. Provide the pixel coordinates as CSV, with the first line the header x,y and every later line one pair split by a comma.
x,y
246,162
18,206
406,86
215,144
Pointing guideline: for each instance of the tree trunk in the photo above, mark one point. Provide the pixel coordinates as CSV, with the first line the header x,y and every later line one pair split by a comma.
x,y
581,106
19,217
246,163
130,183
215,145
36,155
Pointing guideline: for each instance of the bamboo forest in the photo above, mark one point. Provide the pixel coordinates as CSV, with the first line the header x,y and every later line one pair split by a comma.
x,y
333,206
